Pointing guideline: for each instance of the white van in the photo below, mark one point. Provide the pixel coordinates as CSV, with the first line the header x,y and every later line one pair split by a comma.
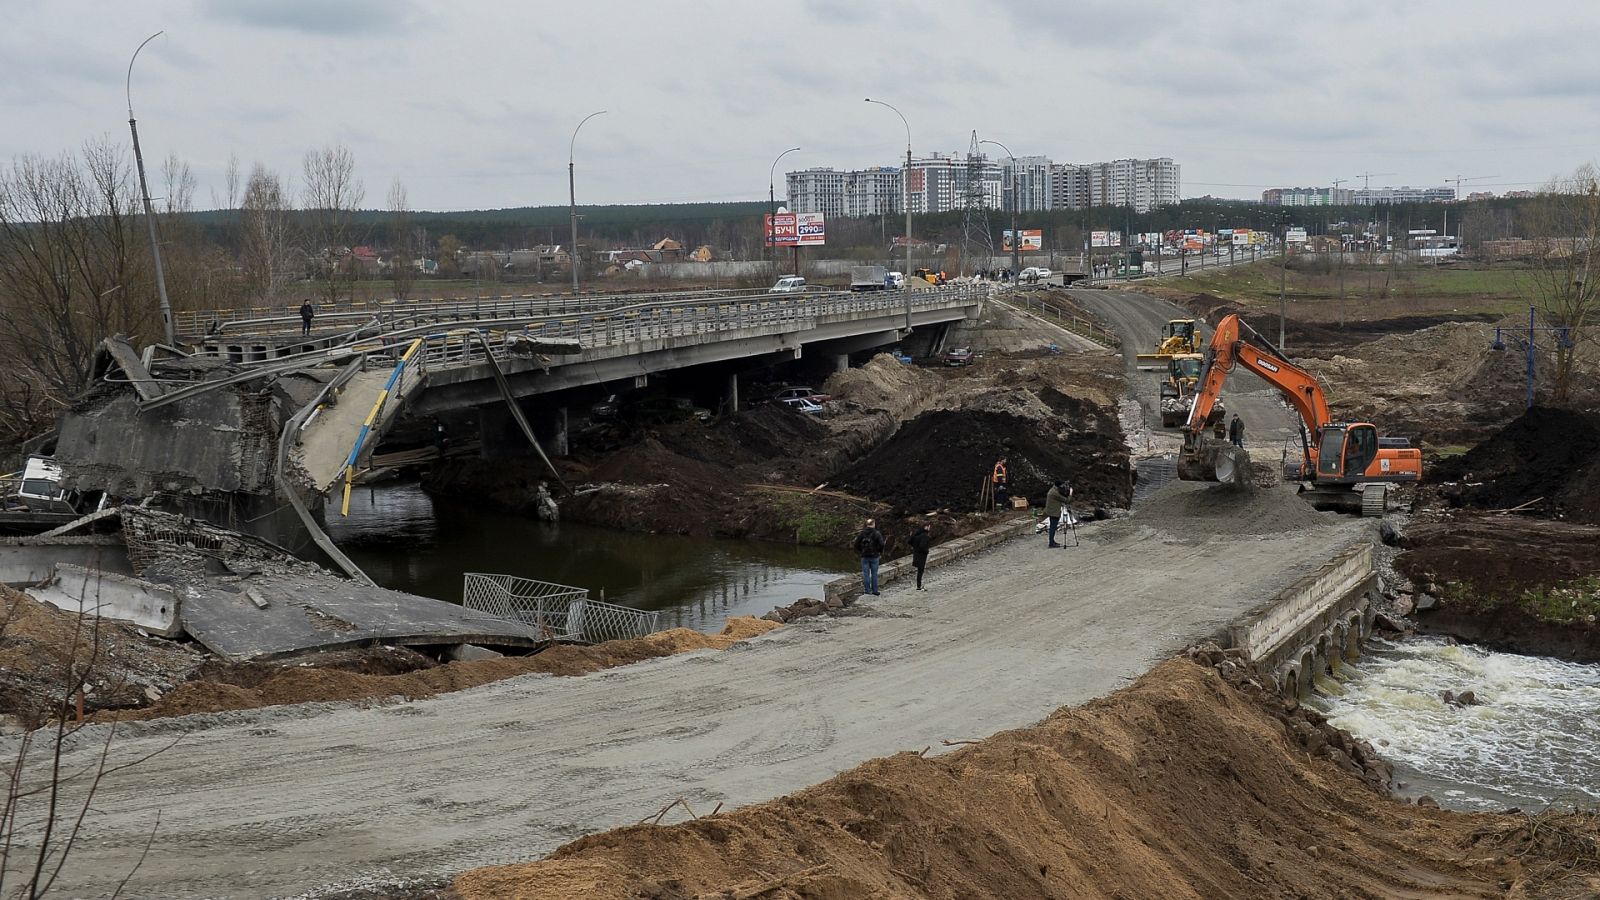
x,y
788,284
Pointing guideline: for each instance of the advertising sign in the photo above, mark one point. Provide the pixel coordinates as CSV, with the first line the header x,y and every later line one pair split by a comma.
x,y
796,230
1105,238
1294,236
1032,240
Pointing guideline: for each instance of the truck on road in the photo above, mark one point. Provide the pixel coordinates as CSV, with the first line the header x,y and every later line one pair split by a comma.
x,y
869,278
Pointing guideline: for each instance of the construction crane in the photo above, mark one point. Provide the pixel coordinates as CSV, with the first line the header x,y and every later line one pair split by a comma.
x,y
1344,465
1458,179
1366,178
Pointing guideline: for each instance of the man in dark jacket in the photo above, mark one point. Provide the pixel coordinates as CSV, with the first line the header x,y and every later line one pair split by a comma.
x,y
920,541
1054,503
869,543
1236,431
306,313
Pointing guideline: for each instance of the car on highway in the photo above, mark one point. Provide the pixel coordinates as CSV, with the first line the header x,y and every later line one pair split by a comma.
x,y
788,284
960,356
805,405
897,281
784,395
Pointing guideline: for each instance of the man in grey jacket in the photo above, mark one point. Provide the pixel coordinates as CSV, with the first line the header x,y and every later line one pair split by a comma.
x,y
1054,503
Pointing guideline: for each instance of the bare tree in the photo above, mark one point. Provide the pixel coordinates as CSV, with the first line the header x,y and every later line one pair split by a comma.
x,y
266,242
333,193
402,255
71,271
1564,224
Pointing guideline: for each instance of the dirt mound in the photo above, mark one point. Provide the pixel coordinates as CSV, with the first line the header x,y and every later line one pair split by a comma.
x,y
1546,458
756,435
1200,509
222,687
1179,786
883,383
939,460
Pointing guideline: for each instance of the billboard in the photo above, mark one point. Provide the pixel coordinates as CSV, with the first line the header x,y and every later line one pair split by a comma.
x,y
796,230
1105,239
1032,239
1294,236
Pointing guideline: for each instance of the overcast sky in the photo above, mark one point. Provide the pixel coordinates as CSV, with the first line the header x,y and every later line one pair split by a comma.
x,y
472,104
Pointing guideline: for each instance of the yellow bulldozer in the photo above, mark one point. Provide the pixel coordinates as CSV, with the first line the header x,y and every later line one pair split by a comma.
x,y
1179,336
1178,390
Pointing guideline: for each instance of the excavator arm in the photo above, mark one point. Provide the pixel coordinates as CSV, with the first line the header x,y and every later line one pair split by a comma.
x,y
1230,348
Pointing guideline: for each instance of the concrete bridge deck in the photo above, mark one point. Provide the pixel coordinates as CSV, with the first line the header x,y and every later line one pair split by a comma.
x,y
286,800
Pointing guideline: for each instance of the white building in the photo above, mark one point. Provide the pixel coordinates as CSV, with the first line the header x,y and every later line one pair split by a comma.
x,y
855,194
1143,184
1031,178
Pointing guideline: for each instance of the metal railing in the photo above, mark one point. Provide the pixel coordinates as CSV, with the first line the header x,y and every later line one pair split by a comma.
x,y
553,611
1065,318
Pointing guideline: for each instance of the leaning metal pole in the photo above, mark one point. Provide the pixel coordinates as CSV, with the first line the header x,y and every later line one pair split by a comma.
x,y
149,213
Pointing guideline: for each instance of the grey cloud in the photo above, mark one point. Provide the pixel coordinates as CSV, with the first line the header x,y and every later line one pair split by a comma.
x,y
345,18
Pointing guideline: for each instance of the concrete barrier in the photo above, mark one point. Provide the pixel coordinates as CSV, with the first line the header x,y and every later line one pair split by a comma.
x,y
945,553
119,598
1313,625
26,561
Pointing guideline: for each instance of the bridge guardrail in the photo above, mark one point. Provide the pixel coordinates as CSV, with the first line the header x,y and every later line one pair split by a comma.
x,y
554,611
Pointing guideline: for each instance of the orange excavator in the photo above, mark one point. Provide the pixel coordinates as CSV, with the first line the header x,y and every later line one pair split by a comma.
x,y
1340,459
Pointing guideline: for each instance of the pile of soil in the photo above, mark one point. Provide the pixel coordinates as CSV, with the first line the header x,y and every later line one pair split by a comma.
x,y
1200,508
220,687
1512,583
1547,458
940,459
1179,786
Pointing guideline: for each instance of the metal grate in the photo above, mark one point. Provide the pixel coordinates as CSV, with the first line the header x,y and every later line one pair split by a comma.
x,y
553,611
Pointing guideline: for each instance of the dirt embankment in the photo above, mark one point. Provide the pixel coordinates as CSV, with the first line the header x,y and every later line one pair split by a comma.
x,y
126,676
774,474
1504,552
1179,786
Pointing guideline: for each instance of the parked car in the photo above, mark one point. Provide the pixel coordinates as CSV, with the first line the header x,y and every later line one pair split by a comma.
x,y
804,404
960,356
1045,274
788,284
606,410
790,393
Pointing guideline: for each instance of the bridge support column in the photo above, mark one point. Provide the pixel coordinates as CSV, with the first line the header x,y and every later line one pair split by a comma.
x,y
498,435
841,362
559,444
733,392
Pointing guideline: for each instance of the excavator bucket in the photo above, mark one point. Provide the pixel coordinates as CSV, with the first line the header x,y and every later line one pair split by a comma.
x,y
1215,461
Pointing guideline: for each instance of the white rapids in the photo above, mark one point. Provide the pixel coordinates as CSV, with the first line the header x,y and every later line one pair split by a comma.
x,y
1533,740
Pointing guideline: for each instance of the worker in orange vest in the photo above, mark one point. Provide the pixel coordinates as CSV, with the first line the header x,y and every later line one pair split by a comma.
x,y
1002,495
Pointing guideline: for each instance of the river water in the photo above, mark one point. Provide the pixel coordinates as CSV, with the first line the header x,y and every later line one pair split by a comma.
x,y
1533,741
411,541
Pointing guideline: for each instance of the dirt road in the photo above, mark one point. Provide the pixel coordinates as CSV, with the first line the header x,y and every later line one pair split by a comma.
x,y
290,800
1137,319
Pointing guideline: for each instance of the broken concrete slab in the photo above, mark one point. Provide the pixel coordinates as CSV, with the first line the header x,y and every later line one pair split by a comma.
x,y
323,612
31,560
117,598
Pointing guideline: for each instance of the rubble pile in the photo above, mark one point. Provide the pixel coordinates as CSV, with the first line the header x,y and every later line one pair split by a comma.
x,y
1546,461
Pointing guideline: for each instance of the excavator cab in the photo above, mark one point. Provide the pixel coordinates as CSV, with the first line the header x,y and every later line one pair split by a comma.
x,y
1345,451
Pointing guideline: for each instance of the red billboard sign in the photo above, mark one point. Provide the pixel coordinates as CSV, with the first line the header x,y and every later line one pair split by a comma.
x,y
796,230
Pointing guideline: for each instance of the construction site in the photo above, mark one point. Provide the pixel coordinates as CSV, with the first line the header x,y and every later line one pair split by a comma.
x,y
1261,516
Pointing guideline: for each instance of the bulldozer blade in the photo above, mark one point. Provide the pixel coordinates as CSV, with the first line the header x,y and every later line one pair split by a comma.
x,y
1215,462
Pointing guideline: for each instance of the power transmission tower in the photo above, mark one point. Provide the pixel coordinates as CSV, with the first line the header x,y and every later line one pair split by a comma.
x,y
977,242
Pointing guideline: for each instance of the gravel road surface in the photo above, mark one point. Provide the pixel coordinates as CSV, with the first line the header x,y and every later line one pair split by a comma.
x,y
300,800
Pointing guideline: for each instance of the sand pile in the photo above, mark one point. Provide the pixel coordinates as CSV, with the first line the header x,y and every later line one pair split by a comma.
x,y
940,459
883,383
1198,509
1548,459
1179,786
230,687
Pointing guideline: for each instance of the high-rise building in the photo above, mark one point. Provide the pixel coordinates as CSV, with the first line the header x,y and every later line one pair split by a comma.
x,y
1143,184
1319,196
939,183
855,194
1030,175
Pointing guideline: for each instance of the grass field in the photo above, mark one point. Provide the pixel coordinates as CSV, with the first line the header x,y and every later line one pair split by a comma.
x,y
1375,292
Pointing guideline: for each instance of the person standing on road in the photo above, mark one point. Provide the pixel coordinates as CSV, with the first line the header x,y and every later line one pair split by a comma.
x,y
1236,432
920,541
307,311
1055,502
869,543
1000,479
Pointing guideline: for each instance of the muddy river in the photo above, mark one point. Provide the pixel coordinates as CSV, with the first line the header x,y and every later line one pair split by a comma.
x,y
1534,739
409,540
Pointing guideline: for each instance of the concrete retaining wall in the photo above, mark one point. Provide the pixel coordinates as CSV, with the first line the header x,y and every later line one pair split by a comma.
x,y
120,598
947,552
1317,622
27,561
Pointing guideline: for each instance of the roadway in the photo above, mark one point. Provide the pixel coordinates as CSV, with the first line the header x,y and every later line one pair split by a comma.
x,y
290,800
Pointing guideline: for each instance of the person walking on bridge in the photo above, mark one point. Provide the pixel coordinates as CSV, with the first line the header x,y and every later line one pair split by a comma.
x,y
307,311
869,544
1236,432
920,541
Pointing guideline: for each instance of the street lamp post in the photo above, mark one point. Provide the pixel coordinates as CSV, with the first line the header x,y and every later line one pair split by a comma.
x,y
572,197
149,213
905,198
1016,238
772,203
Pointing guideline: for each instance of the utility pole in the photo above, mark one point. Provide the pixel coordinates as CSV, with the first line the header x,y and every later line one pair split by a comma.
x,y
572,197
905,197
1283,281
149,213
